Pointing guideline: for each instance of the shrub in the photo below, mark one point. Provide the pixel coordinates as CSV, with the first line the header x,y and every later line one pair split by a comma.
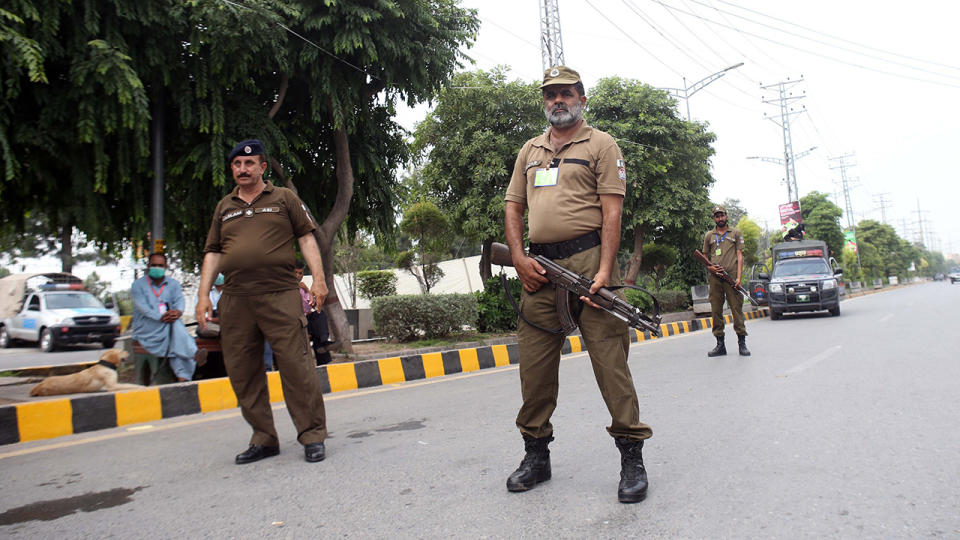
x,y
375,283
669,300
409,317
494,312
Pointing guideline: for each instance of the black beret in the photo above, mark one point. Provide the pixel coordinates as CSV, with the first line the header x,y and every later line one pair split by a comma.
x,y
253,147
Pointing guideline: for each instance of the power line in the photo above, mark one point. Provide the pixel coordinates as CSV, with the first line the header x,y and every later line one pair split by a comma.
x,y
813,53
815,31
637,43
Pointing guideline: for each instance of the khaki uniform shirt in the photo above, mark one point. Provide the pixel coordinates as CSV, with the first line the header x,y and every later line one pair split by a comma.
x,y
255,240
567,205
728,244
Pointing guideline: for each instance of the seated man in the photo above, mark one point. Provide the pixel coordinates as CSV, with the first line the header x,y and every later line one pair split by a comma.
x,y
157,306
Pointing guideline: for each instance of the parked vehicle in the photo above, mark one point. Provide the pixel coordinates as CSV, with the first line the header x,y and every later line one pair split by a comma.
x,y
954,275
53,310
803,279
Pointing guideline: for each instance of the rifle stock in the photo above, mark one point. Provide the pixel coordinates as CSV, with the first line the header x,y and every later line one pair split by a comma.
x,y
567,281
725,276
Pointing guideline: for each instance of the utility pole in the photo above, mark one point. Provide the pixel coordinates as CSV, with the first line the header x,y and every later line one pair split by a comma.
x,y
881,199
845,185
783,101
920,221
687,91
551,44
781,161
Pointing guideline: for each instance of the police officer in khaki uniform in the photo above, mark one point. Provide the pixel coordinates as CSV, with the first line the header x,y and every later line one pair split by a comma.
x,y
572,179
723,245
251,242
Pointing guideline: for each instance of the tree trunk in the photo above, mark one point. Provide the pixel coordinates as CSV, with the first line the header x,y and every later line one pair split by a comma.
x,y
485,271
325,235
633,269
66,246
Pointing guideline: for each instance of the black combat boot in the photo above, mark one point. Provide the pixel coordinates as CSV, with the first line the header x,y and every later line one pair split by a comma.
x,y
720,349
534,468
742,341
633,476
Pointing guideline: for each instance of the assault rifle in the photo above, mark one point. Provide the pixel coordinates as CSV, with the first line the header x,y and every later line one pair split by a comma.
x,y
571,282
724,275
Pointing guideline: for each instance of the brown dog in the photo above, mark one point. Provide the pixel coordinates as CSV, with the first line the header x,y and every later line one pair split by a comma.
x,y
102,376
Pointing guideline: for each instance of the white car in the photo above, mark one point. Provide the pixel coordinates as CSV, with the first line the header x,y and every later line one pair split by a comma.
x,y
954,276
55,312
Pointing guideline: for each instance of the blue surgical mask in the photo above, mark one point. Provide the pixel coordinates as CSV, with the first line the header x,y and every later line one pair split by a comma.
x,y
219,280
156,272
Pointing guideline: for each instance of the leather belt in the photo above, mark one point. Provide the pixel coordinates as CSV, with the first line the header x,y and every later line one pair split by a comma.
x,y
567,248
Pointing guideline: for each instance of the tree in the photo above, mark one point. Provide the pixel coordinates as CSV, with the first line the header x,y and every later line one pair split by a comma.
x,y
429,228
321,95
657,258
894,254
668,169
468,145
821,220
751,242
735,211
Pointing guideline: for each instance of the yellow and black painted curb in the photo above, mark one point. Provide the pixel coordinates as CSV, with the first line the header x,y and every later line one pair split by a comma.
x,y
47,419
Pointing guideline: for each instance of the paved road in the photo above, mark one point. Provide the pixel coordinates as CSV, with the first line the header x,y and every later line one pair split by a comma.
x,y
835,427
24,355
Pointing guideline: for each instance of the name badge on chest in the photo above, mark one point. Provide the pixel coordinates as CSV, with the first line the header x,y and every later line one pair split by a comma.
x,y
546,177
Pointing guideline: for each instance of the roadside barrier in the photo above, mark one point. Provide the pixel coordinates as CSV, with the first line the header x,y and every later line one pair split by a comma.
x,y
46,419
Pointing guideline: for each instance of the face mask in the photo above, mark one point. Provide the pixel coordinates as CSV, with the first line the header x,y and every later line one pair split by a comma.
x,y
219,280
156,272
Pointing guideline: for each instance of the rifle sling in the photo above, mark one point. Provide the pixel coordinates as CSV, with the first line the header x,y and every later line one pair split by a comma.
x,y
513,302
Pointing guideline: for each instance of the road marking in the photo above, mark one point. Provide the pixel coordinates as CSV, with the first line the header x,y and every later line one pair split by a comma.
x,y
886,317
814,361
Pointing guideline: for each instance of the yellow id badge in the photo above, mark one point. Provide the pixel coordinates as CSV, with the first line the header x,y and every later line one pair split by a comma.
x,y
718,252
546,177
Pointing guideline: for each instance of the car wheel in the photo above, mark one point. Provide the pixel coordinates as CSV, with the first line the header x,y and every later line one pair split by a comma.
x,y
108,343
47,344
775,315
5,340
835,311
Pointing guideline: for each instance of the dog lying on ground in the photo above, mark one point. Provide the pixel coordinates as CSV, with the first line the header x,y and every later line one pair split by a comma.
x,y
101,376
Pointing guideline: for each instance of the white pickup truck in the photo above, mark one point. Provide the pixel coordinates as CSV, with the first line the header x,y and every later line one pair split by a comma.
x,y
53,310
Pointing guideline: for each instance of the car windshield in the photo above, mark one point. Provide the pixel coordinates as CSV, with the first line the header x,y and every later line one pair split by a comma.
x,y
800,267
72,300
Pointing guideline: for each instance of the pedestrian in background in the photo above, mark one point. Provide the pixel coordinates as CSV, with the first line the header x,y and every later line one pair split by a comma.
x,y
251,241
157,307
573,180
723,245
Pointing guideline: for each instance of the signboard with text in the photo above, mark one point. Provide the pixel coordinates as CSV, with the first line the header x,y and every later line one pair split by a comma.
x,y
790,216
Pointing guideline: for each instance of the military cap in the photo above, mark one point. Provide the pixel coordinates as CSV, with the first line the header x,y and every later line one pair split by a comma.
x,y
559,75
252,147
719,208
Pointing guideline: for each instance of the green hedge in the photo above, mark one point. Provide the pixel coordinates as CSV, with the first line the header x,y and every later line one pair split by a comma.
x,y
495,314
409,317
374,283
669,300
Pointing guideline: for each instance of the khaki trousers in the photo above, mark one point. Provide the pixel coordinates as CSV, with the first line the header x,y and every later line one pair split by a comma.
x,y
720,290
607,341
244,323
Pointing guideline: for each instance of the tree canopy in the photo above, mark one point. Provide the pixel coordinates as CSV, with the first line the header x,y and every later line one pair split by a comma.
x,y
821,220
468,145
668,169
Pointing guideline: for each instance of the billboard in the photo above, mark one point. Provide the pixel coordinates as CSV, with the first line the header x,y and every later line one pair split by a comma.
x,y
790,217
850,240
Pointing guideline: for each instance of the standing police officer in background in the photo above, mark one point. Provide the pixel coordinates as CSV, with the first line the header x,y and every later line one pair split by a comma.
x,y
572,179
251,242
723,245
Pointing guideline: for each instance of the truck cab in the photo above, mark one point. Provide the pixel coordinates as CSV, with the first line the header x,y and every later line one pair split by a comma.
x,y
53,311
804,278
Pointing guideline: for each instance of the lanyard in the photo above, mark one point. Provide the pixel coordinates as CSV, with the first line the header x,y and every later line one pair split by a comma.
x,y
155,292
720,238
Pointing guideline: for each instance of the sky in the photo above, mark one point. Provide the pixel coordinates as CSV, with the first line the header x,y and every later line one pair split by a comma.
x,y
879,82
